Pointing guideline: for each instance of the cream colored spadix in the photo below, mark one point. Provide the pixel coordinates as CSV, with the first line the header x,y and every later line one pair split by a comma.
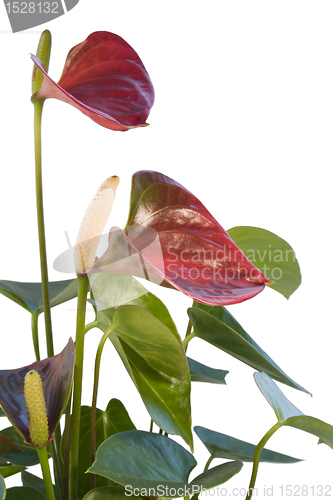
x,y
93,224
36,408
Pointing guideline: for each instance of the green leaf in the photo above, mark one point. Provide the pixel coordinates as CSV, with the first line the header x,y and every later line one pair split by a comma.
x,y
217,475
2,413
223,446
107,493
154,357
10,470
288,414
24,493
7,446
30,296
143,460
118,418
32,481
113,290
203,373
26,456
217,326
272,255
2,489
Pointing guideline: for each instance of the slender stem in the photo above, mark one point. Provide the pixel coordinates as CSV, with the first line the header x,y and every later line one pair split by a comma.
x,y
94,401
44,462
209,461
151,425
256,457
187,339
188,331
34,329
83,284
65,447
90,326
38,106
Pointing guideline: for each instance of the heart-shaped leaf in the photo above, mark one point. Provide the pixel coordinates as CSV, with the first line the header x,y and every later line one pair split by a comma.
x,y
203,373
105,79
171,238
155,359
272,255
24,493
114,419
288,414
218,327
26,455
107,492
217,475
144,460
10,470
30,296
223,446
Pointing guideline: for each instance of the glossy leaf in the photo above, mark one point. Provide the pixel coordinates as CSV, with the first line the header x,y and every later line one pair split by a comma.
x,y
217,475
203,373
24,493
218,327
37,483
114,419
143,460
154,358
30,296
173,240
26,454
288,414
106,493
113,290
105,79
223,446
272,255
10,470
7,446
56,374
2,489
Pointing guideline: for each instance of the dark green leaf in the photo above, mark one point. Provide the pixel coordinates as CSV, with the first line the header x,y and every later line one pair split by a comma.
x,y
288,414
7,446
143,460
217,475
155,360
30,297
223,446
218,327
32,481
24,493
26,456
271,254
203,373
118,418
2,489
10,470
2,413
107,493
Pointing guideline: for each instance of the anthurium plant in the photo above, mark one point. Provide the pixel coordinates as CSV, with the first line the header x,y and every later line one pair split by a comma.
x,y
172,240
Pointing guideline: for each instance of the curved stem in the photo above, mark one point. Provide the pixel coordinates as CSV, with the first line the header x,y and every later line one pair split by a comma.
x,y
38,106
65,447
44,462
83,284
94,401
256,457
189,334
34,329
209,461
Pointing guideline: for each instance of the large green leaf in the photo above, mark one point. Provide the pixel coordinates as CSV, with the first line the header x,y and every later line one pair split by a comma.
x,y
10,470
30,296
24,493
271,254
37,483
218,327
154,357
7,446
144,460
107,493
114,419
223,446
113,290
288,414
217,475
2,489
26,456
203,373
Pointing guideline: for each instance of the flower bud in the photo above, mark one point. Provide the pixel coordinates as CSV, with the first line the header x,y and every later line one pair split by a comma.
x,y
43,53
93,224
36,408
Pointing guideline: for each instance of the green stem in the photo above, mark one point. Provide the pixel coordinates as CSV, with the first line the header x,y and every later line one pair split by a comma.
x,y
38,106
65,448
94,401
209,461
44,462
34,329
83,284
188,338
256,457
151,425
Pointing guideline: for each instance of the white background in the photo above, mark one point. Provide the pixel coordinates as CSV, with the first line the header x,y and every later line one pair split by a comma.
x,y
243,119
